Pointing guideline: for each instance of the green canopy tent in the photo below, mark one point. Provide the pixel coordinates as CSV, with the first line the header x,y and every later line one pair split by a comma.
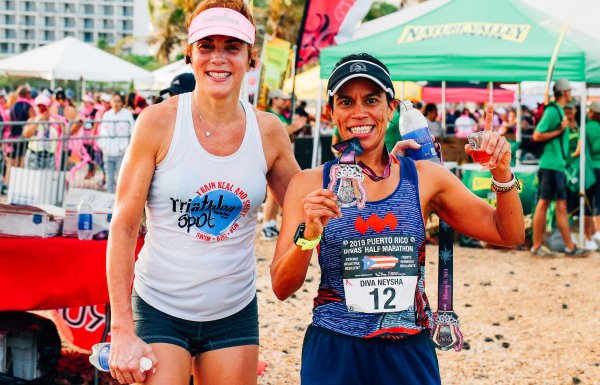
x,y
500,40
466,40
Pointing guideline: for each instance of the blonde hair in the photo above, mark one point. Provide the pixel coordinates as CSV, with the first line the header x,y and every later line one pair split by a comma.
x,y
11,99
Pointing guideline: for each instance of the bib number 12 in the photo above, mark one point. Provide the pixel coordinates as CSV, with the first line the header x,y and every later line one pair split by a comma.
x,y
389,292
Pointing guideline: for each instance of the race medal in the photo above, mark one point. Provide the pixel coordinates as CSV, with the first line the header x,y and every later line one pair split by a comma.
x,y
445,331
380,273
349,175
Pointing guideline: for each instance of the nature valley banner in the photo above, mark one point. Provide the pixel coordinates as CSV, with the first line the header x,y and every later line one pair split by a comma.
x,y
328,22
277,56
511,32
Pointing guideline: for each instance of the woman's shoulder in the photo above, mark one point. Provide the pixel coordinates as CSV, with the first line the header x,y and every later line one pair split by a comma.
x,y
308,179
158,116
431,171
268,122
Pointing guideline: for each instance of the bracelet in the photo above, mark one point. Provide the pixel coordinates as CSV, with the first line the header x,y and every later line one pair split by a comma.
x,y
506,186
306,244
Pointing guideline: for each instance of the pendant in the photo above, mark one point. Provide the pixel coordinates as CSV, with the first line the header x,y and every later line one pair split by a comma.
x,y
207,133
350,176
446,332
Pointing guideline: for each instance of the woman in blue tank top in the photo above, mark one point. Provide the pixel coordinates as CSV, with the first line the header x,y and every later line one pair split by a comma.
x,y
371,318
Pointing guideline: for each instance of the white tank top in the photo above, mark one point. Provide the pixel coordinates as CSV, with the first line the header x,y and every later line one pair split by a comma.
x,y
198,260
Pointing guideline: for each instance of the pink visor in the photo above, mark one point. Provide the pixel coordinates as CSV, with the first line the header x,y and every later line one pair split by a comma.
x,y
221,21
42,100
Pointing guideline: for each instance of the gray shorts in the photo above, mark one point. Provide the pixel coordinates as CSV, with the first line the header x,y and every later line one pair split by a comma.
x,y
154,326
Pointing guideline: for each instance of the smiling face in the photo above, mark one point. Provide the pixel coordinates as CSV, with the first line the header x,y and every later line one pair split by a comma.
x,y
361,110
219,64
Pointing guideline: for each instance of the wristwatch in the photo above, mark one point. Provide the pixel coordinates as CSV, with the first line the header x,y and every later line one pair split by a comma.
x,y
305,244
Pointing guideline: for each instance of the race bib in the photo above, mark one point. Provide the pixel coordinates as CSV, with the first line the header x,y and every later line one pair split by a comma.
x,y
380,273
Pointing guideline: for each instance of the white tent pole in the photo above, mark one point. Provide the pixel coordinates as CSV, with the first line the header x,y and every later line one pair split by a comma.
x,y
294,97
317,129
402,90
491,86
52,83
583,103
518,127
82,87
444,107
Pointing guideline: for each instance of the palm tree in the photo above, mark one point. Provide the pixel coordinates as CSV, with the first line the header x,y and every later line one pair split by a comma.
x,y
169,22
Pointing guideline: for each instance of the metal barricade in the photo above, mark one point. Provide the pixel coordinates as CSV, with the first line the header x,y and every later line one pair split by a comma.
x,y
41,168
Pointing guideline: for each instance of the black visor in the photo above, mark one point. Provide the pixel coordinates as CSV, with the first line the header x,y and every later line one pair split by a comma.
x,y
359,69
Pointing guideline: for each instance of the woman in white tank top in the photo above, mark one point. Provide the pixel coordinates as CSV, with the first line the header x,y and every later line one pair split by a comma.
x,y
199,163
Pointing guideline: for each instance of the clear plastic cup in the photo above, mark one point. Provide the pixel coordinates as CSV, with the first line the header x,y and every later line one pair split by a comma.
x,y
479,154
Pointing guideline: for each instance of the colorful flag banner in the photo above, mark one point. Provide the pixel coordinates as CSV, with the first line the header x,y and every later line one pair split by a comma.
x,y
277,55
328,22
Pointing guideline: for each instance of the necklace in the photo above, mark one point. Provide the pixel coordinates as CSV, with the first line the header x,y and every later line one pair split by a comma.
x,y
206,132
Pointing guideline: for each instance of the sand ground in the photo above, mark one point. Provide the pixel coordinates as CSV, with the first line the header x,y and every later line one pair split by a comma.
x,y
525,320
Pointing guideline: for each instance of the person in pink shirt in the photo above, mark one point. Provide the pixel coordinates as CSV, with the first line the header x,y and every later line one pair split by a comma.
x,y
464,125
45,129
3,107
89,112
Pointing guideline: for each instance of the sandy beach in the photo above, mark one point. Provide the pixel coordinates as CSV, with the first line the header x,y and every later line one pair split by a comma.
x,y
525,320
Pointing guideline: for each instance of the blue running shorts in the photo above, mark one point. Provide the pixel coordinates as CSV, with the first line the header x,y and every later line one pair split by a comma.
x,y
330,358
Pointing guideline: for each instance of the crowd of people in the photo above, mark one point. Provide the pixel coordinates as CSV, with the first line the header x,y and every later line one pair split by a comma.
x,y
48,130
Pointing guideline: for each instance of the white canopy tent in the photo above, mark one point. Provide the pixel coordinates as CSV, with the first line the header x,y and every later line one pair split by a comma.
x,y
72,59
164,75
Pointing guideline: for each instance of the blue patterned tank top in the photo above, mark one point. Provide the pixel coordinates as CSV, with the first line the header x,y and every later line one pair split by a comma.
x,y
396,217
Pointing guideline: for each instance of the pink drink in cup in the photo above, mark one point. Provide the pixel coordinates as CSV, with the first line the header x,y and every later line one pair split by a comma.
x,y
479,154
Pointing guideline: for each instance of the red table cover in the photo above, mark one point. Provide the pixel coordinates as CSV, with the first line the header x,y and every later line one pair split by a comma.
x,y
52,273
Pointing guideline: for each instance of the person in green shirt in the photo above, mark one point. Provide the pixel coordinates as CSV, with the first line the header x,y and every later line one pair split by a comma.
x,y
592,141
551,129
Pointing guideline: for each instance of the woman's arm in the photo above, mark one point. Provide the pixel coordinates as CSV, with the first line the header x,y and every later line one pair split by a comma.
x,y
469,214
281,163
132,190
305,202
30,129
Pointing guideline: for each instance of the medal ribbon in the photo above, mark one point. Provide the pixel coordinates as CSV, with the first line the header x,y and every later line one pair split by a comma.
x,y
445,267
351,148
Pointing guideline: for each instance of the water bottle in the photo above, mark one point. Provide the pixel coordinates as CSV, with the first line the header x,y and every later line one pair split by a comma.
x,y
101,353
413,125
84,220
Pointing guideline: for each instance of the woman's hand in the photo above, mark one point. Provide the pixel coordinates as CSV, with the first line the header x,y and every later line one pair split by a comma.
x,y
495,144
319,207
409,144
126,351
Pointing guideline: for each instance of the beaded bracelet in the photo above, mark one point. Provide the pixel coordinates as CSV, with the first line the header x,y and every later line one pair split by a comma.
x,y
506,186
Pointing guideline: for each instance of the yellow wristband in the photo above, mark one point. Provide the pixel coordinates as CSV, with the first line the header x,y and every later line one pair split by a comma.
x,y
305,244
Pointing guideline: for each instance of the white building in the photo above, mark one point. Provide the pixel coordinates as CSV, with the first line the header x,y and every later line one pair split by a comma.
x,y
26,24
